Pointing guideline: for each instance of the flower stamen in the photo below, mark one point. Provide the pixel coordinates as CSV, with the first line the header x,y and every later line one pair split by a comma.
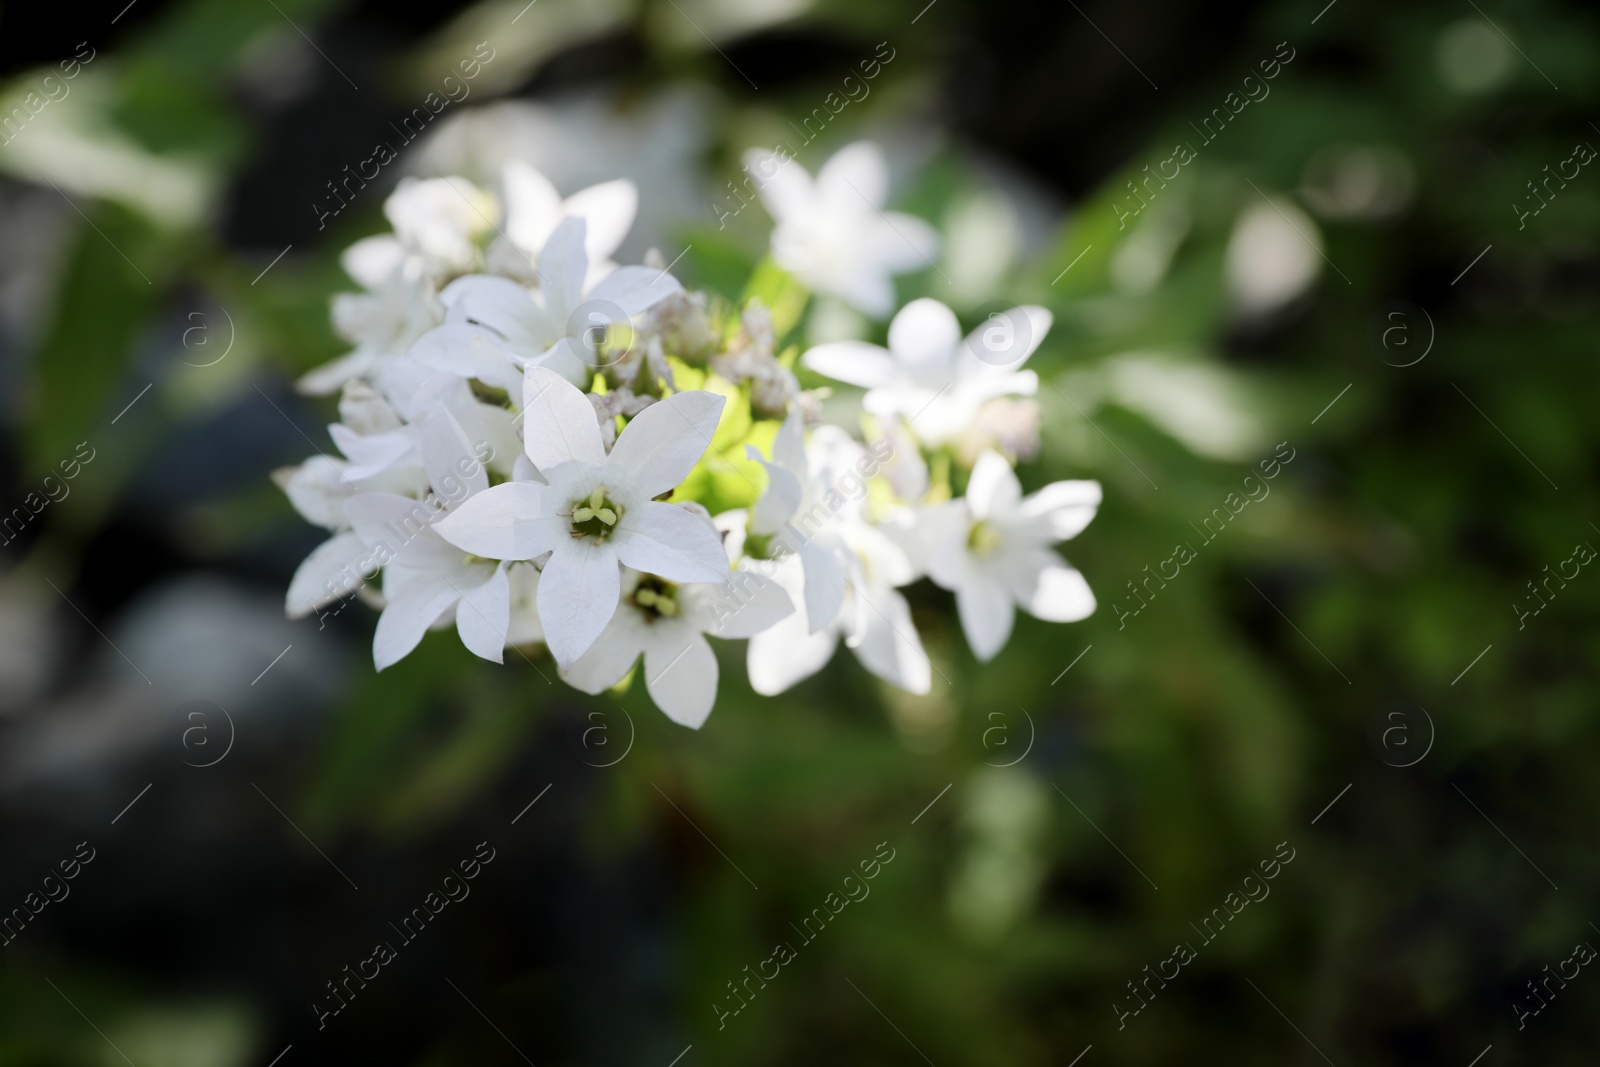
x,y
595,516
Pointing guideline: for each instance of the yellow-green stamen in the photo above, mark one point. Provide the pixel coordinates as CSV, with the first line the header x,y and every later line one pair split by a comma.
x,y
595,516
983,539
656,597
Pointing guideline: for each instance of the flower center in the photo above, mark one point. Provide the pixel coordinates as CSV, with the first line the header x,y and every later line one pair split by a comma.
x,y
656,597
595,517
983,539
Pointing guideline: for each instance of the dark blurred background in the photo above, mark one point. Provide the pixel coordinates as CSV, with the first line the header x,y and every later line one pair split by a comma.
x,y
1371,669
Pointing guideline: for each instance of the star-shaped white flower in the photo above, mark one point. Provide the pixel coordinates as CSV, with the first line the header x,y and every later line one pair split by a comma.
x,y
873,619
534,209
441,220
667,623
799,484
832,232
494,327
597,510
399,305
425,578
992,548
931,376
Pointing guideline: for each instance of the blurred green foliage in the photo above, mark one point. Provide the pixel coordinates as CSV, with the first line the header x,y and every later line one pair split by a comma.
x,y
1182,746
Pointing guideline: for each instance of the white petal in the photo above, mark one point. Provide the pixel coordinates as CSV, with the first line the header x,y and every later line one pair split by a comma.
x,y
371,454
503,306
317,488
452,466
788,653
1005,341
826,565
399,530
506,521
665,539
524,626
609,209
523,470
744,607
1061,509
925,334
987,613
533,207
483,616
1049,589
562,266
890,646
371,260
993,489
572,358
854,179
683,680
941,533
778,502
612,655
856,362
558,423
332,572
784,185
660,445
407,617
628,291
578,592
330,377
789,446
492,431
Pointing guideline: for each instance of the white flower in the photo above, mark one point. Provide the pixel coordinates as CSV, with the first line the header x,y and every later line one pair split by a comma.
x,y
424,577
929,375
874,620
318,489
494,327
800,486
534,209
667,624
441,220
832,233
992,549
597,510
392,451
399,306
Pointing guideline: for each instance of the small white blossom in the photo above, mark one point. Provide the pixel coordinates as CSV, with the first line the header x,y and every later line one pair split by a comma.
x,y
873,620
832,232
992,549
667,623
495,327
534,209
597,509
930,375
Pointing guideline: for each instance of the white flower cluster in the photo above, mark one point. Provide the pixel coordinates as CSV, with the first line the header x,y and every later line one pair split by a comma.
x,y
541,447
